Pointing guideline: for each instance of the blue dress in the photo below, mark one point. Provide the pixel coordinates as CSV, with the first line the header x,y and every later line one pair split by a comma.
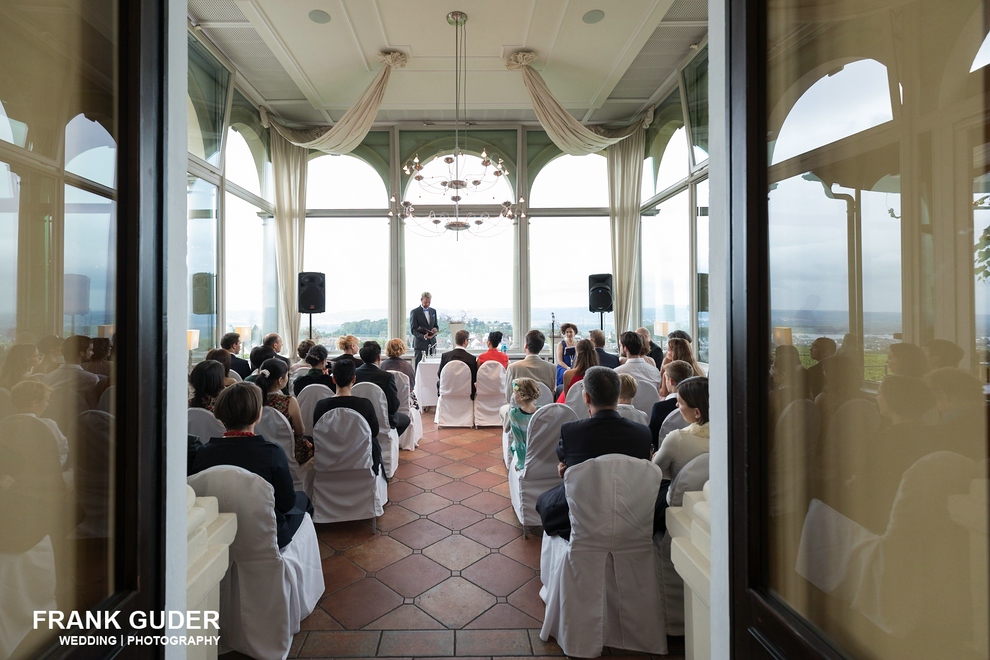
x,y
569,354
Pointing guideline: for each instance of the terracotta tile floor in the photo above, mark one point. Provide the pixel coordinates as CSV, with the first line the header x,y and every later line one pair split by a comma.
x,y
448,572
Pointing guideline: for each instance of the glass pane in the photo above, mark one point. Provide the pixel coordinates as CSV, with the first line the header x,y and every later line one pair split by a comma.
x,y
344,182
459,272
362,310
58,252
250,287
667,273
696,89
877,418
578,247
667,147
701,262
248,162
206,104
571,182
201,263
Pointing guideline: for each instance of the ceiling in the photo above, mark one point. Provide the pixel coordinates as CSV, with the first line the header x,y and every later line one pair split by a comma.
x,y
309,72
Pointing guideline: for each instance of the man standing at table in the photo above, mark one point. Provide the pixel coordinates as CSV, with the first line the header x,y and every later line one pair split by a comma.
x,y
423,327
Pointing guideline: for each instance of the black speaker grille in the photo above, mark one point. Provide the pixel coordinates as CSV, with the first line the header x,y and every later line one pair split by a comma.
x,y
312,293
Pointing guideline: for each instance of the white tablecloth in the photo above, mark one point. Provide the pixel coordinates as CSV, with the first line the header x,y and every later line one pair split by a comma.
x,y
426,382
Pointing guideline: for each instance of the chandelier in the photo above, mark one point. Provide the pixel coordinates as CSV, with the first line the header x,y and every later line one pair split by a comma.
x,y
457,175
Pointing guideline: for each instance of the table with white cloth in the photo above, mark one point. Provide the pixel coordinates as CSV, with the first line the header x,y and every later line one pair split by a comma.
x,y
426,382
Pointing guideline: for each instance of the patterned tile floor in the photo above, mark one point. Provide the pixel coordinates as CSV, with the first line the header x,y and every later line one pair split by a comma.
x,y
448,572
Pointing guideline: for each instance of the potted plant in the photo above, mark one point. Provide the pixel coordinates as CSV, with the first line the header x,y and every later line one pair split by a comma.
x,y
455,321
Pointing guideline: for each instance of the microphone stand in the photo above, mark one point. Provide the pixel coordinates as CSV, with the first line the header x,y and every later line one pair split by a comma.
x,y
553,336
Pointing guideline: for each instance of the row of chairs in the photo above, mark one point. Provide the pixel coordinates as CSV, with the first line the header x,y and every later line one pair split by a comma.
x,y
455,406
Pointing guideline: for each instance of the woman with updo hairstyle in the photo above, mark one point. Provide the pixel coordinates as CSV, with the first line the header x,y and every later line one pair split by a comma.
x,y
682,445
394,350
17,366
223,357
272,378
206,380
585,358
566,350
319,372
525,392
302,350
349,345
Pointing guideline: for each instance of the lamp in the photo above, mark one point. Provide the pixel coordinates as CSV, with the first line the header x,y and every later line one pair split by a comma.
x,y
782,336
245,332
192,343
463,174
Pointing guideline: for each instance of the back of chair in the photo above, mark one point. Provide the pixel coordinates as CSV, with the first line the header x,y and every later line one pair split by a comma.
x,y
234,375
646,396
402,388
633,414
491,380
575,400
692,477
546,395
5,408
108,399
252,499
275,427
542,438
455,380
94,449
64,406
308,397
373,393
204,425
342,441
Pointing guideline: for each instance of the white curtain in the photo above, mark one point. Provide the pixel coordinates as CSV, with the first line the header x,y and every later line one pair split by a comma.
x,y
625,174
566,131
350,130
289,163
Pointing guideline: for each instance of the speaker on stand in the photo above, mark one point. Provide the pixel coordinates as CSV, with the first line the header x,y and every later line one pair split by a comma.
x,y
600,295
312,296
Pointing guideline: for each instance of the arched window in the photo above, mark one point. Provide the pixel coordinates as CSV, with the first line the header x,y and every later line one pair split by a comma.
x,y
982,56
842,103
344,182
571,182
247,160
90,151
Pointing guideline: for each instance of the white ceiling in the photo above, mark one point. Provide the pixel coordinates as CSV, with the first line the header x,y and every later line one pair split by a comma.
x,y
310,72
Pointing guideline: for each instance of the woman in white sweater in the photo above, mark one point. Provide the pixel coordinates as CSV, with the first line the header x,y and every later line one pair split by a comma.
x,y
682,445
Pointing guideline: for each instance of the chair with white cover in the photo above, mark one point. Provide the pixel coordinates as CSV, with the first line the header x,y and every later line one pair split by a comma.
x,y
546,394
234,375
575,400
204,425
346,486
107,400
490,396
388,437
266,592
275,427
633,414
539,473
646,396
545,399
455,406
308,397
414,432
601,587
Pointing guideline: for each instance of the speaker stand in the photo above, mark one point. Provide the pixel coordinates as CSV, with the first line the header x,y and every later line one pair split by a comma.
x,y
310,326
601,316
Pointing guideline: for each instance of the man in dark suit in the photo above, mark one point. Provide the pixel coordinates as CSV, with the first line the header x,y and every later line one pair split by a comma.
x,y
231,342
605,432
274,340
460,354
605,359
371,355
672,374
423,327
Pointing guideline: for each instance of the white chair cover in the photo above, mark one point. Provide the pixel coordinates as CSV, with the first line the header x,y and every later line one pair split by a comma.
x,y
545,399
266,592
388,437
539,473
575,400
346,487
204,425
633,414
794,441
308,397
107,399
234,375
490,395
546,396
414,432
274,427
598,587
455,407
646,396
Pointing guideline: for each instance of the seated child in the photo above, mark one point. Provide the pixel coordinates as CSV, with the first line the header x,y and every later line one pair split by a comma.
x,y
525,392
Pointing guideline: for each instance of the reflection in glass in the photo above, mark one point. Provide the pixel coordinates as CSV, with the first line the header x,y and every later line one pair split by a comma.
x,y
696,90
201,263
701,269
207,102
667,267
250,287
667,149
89,294
248,161
90,151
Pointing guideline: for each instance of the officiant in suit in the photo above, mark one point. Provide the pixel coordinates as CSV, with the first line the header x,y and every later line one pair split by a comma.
x,y
423,327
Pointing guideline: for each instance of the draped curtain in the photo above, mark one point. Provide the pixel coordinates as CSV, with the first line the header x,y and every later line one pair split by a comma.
x,y
289,163
625,175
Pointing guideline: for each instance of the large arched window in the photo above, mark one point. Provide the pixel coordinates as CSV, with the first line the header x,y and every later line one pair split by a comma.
x,y
90,151
247,161
353,252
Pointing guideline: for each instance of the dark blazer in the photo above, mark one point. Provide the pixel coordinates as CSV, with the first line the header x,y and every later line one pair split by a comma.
x,y
460,355
370,373
660,411
604,433
656,353
241,366
422,321
362,407
607,359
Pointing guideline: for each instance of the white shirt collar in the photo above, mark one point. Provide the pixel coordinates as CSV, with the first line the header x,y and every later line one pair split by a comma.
x,y
672,395
635,359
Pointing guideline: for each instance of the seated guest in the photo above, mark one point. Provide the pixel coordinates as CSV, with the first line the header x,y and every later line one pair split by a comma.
x,y
30,398
681,445
525,392
206,380
675,334
231,342
239,409
680,349
493,352
584,359
605,432
273,378
644,351
369,372
906,359
662,413
843,382
605,358
821,349
302,350
531,366
395,349
787,381
316,359
627,392
460,354
348,345
631,345
566,350
942,353
99,364
259,354
50,348
75,350
19,363
961,407
274,340
223,357
343,377
653,351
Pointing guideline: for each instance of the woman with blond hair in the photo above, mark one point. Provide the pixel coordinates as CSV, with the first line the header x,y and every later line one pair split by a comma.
x,y
394,350
348,345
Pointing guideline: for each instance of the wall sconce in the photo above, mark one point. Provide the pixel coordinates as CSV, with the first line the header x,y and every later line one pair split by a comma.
x,y
782,336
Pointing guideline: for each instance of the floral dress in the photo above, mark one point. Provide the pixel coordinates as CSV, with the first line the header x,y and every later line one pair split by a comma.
x,y
303,445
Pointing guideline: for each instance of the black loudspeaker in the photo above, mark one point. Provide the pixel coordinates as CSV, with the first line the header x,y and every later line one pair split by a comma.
x,y
600,292
203,299
312,293
702,292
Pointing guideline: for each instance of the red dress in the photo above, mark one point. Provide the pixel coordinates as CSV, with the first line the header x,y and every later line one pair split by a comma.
x,y
563,395
494,354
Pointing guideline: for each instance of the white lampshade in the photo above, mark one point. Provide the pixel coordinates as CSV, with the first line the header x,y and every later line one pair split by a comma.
x,y
782,336
192,339
105,330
